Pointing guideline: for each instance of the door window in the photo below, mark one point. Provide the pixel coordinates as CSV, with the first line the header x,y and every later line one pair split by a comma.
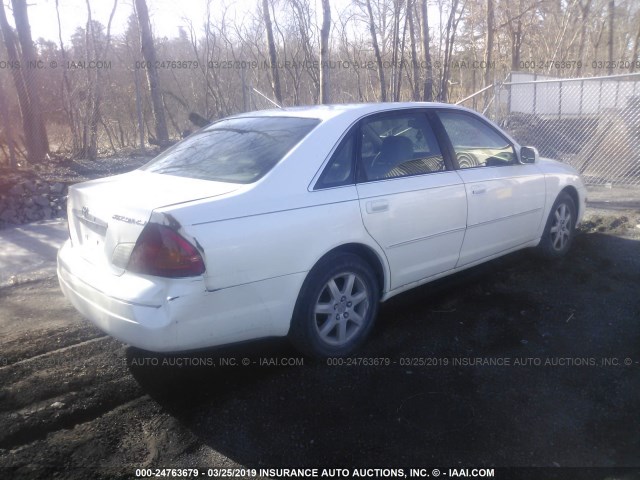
x,y
399,145
475,143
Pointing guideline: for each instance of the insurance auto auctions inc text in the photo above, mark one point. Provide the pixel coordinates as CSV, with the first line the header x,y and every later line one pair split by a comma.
x,y
374,472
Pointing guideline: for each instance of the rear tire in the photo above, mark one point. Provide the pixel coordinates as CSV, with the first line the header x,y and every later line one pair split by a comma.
x,y
336,307
560,228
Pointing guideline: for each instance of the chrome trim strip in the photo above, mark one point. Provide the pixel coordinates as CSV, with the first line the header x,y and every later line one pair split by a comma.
x,y
83,216
414,240
505,218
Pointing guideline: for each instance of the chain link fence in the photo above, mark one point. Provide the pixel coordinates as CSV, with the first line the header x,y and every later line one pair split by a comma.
x,y
592,124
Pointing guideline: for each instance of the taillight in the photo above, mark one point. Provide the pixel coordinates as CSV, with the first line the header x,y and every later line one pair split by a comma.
x,y
161,251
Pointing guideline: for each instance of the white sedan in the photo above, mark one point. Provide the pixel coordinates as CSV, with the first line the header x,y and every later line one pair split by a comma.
x,y
300,221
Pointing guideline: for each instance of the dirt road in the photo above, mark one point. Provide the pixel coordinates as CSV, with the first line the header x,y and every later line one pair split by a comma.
x,y
516,363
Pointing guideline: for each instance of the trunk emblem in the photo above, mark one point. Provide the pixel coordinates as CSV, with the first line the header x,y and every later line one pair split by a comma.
x,y
122,218
93,222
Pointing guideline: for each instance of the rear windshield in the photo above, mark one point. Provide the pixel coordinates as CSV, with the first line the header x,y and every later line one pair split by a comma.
x,y
237,150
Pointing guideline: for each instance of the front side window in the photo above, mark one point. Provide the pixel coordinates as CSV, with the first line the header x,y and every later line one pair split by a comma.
x,y
237,150
475,143
399,145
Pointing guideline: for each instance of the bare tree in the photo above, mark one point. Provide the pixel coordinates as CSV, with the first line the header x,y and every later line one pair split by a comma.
x,y
324,52
488,48
398,39
584,10
450,36
415,89
428,81
8,131
149,54
67,90
23,98
25,80
516,28
612,15
376,51
636,47
363,33
303,19
273,58
94,77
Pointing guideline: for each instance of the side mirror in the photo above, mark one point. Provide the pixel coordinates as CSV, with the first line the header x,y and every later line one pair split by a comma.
x,y
529,155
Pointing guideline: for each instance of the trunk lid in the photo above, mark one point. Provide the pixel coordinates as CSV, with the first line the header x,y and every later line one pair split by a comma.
x,y
106,216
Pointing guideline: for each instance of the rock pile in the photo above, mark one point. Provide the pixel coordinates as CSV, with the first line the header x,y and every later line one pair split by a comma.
x,y
31,200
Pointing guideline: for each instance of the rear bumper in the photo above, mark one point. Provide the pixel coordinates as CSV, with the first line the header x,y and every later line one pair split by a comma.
x,y
171,315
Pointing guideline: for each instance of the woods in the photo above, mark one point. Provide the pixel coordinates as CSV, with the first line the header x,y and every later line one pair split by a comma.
x,y
105,87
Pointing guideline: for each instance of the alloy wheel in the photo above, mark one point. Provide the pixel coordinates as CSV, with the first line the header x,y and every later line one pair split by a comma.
x,y
341,309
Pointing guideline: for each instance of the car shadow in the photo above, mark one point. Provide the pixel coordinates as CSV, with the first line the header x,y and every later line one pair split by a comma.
x,y
428,389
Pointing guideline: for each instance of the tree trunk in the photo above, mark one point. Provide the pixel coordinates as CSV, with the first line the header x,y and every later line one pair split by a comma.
x,y
66,89
90,146
428,82
136,76
415,90
448,41
325,85
488,49
35,134
149,54
636,48
400,60
611,24
95,81
583,34
452,28
516,46
8,133
395,49
301,11
376,51
273,57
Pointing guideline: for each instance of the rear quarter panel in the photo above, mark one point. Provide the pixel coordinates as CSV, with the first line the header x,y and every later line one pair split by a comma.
x,y
280,242
275,243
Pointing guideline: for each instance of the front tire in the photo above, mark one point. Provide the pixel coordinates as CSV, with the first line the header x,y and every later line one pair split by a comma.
x,y
560,228
336,307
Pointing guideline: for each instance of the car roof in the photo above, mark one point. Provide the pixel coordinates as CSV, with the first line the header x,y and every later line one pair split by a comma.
x,y
327,112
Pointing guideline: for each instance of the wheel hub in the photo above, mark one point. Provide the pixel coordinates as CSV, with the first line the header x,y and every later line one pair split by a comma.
x,y
348,305
561,232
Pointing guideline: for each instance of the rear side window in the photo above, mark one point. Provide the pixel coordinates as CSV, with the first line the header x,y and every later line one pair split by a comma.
x,y
237,150
339,170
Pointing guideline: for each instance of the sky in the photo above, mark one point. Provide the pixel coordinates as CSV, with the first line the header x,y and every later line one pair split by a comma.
x,y
166,15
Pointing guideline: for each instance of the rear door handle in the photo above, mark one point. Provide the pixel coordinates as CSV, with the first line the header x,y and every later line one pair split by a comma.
x,y
377,206
478,189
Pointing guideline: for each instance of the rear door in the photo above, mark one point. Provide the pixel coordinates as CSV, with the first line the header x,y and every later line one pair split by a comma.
x,y
505,198
411,202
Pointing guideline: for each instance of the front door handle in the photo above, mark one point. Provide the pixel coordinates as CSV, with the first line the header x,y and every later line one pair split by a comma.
x,y
478,189
377,206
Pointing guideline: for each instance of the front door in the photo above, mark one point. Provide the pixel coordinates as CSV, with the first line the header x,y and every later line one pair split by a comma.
x,y
411,203
505,198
